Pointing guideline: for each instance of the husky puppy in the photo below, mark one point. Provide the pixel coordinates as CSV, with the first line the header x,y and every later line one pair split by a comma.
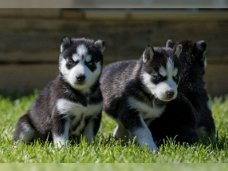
x,y
70,106
192,85
137,91
194,99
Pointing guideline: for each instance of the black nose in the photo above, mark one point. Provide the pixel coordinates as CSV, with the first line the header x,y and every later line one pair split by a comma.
x,y
170,93
80,78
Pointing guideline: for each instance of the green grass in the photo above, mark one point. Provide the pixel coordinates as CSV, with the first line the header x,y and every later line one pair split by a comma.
x,y
105,148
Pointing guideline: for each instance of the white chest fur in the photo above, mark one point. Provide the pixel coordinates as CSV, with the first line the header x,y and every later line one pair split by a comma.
x,y
67,107
78,111
147,111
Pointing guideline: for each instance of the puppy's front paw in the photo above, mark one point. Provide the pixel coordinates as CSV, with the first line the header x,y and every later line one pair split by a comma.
x,y
154,149
60,142
151,147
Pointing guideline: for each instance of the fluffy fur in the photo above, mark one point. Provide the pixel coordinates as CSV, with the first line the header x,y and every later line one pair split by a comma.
x,y
137,91
70,106
193,102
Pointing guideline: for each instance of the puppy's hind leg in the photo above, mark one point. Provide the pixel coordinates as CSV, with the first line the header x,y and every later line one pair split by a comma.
x,y
24,130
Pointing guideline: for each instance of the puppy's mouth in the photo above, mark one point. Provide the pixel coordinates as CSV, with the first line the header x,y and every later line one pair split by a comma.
x,y
159,101
80,83
166,99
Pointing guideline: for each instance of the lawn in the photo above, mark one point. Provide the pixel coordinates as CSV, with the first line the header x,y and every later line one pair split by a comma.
x,y
105,148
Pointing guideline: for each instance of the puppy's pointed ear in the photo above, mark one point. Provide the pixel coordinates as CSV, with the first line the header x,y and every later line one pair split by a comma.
x,y
100,44
200,52
178,50
66,42
169,43
148,54
201,45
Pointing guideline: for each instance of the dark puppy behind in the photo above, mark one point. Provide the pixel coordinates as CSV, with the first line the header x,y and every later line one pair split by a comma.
x,y
70,105
178,122
137,91
192,85
194,96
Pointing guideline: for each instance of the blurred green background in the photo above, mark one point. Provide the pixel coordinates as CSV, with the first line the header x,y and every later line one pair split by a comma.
x,y
113,167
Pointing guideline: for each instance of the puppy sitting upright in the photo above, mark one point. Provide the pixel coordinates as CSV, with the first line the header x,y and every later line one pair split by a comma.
x,y
193,60
188,118
71,105
136,92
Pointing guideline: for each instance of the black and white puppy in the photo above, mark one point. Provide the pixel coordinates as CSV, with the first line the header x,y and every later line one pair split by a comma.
x,y
70,106
188,118
137,91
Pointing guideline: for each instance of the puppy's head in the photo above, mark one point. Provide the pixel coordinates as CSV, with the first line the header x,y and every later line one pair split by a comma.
x,y
193,57
80,61
160,71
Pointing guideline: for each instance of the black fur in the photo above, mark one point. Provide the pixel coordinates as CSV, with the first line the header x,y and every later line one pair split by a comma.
x,y
193,87
178,122
122,79
43,118
191,104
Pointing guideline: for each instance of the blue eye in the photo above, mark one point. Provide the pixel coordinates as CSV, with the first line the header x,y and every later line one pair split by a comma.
x,y
158,78
72,63
91,65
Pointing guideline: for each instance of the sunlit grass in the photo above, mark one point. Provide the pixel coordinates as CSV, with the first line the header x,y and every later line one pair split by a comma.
x,y
105,148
